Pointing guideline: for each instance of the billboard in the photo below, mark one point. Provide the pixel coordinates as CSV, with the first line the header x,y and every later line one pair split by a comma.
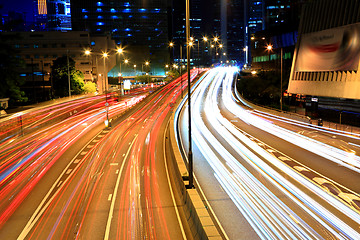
x,y
326,63
336,49
127,85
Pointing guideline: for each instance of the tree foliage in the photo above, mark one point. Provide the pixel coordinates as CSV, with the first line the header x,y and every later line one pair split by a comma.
x,y
171,75
143,78
90,87
262,88
59,72
10,64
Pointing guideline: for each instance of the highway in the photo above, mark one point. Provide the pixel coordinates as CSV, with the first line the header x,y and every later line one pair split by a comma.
x,y
269,177
76,180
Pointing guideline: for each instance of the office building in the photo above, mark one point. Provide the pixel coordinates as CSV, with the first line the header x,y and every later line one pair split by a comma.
x,y
139,26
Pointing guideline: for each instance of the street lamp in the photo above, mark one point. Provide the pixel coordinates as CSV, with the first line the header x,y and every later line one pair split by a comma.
x,y
68,71
120,51
190,157
270,48
104,55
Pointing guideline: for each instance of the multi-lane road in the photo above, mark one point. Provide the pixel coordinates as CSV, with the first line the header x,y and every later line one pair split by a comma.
x,y
64,176
76,180
269,177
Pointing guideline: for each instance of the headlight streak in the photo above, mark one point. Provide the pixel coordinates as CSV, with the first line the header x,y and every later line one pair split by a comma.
x,y
43,155
262,225
201,133
334,154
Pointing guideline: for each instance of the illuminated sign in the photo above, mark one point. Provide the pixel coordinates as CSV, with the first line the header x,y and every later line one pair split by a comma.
x,y
127,85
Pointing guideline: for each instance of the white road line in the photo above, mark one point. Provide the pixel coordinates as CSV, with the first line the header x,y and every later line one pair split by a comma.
x,y
117,171
108,224
46,200
171,190
356,145
109,198
77,161
68,171
59,184
83,153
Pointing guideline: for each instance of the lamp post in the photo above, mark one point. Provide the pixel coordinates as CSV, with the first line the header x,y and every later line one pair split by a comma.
x,y
68,71
190,157
270,48
104,55
120,52
205,39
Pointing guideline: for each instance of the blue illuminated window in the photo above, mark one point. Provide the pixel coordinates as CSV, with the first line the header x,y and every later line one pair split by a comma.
x,y
142,10
84,10
99,4
127,29
99,17
99,10
127,4
130,16
114,17
86,16
127,10
99,23
144,17
112,10
92,43
129,35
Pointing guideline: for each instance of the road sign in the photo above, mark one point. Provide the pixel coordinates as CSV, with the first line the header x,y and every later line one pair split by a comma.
x,y
106,104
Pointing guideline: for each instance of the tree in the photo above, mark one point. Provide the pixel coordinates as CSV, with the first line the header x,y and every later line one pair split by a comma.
x,y
90,87
143,78
59,72
10,79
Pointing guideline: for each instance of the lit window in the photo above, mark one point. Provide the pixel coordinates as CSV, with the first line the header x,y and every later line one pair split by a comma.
x,y
142,10
99,17
127,10
100,4
99,10
99,23
112,10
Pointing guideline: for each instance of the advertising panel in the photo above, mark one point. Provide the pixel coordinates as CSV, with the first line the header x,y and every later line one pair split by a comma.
x,y
330,50
127,85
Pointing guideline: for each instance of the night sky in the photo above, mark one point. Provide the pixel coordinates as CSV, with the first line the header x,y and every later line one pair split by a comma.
x,y
18,6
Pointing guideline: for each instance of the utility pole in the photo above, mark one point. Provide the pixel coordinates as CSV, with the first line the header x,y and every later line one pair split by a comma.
x,y
190,157
68,70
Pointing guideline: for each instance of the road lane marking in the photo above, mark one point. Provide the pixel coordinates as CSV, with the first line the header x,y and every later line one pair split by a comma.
x,y
117,171
77,161
171,190
47,199
59,184
112,206
109,198
83,153
68,171
114,164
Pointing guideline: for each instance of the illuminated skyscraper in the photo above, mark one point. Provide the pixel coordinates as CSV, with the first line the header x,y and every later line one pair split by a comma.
x,y
141,26
52,15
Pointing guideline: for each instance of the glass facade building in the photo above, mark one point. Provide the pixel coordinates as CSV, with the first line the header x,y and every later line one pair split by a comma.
x,y
139,26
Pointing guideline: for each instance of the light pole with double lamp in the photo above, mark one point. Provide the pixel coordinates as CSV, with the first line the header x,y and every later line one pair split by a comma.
x,y
105,55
